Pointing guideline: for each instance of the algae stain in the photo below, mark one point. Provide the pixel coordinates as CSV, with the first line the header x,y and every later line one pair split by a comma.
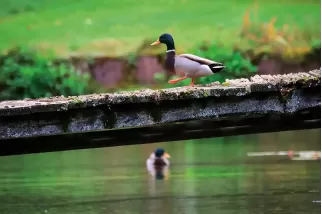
x,y
75,100
206,94
225,84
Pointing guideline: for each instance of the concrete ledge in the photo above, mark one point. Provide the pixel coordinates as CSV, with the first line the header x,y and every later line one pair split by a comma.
x,y
240,98
157,133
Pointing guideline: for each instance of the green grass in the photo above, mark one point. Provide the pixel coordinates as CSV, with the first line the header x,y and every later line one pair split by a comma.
x,y
119,27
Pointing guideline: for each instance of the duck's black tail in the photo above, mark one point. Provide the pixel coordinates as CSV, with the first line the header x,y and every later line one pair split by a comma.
x,y
216,67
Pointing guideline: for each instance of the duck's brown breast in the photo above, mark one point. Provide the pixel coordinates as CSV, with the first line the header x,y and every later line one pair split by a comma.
x,y
159,162
169,61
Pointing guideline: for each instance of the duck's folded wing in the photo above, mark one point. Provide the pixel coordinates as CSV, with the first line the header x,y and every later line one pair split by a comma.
x,y
150,160
200,60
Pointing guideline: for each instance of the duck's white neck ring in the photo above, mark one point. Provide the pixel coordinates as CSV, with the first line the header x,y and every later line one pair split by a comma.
x,y
170,50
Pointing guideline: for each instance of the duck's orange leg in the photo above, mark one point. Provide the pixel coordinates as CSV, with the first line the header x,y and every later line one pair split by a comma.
x,y
192,82
176,80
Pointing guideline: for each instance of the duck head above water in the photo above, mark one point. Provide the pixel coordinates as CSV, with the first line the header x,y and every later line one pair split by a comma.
x,y
159,153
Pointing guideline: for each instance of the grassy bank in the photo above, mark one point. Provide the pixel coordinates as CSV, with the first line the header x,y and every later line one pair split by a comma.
x,y
119,27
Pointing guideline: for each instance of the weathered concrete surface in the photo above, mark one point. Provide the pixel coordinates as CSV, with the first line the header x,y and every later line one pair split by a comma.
x,y
257,96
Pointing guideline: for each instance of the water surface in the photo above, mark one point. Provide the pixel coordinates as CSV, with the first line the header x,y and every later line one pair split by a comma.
x,y
206,176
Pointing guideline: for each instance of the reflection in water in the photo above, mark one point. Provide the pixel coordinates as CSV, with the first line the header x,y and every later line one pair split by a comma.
x,y
207,176
158,172
292,155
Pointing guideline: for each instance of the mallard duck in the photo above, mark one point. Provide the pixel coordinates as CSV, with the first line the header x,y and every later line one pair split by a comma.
x,y
186,65
158,158
158,164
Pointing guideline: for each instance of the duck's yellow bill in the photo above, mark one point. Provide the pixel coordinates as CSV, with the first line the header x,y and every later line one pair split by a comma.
x,y
156,42
166,155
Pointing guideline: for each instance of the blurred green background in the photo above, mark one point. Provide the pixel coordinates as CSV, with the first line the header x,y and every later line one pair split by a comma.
x,y
43,42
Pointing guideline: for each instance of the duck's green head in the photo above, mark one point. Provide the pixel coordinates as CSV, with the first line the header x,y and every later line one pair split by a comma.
x,y
159,152
166,39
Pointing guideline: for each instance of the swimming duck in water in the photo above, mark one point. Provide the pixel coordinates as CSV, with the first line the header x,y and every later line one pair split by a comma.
x,y
186,65
158,164
158,158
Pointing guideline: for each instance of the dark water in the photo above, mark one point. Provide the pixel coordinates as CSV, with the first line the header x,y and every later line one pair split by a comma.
x,y
206,176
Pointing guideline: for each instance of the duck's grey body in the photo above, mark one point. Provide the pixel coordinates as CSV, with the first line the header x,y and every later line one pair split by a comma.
x,y
191,66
